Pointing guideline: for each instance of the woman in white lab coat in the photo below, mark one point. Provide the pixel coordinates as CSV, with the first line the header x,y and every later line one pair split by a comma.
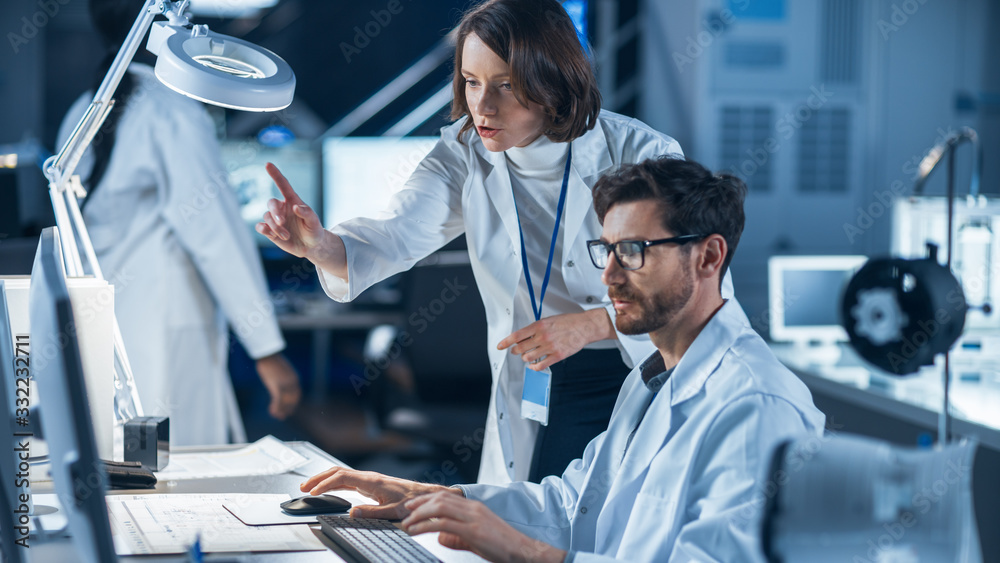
x,y
529,121
167,232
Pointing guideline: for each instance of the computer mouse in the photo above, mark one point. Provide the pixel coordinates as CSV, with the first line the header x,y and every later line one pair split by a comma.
x,y
320,504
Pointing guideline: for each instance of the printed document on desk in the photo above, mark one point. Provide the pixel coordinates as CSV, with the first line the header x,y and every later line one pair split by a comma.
x,y
267,456
162,524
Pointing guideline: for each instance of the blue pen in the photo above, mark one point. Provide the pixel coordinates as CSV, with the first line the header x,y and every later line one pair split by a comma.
x,y
194,552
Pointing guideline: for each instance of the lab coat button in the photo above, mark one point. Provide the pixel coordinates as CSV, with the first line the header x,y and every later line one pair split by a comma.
x,y
494,365
511,465
583,510
508,312
501,416
570,264
590,299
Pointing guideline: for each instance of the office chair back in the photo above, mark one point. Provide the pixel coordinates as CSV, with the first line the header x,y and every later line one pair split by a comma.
x,y
446,320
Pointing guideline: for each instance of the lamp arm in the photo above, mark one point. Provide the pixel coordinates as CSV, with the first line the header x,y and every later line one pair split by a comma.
x,y
945,147
927,165
65,188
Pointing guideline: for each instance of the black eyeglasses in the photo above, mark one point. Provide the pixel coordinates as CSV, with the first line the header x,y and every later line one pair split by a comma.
x,y
631,254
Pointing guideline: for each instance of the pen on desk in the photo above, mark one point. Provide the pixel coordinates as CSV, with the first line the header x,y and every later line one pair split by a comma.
x,y
194,552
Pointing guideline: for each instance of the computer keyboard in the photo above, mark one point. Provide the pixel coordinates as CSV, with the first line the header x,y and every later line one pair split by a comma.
x,y
374,541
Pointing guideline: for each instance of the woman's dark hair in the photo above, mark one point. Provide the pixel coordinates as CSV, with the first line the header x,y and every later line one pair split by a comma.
x,y
112,19
692,200
547,63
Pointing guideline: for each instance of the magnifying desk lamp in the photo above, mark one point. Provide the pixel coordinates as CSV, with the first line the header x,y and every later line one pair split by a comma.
x,y
207,66
899,313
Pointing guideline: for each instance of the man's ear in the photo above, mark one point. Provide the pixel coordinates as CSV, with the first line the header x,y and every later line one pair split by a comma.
x,y
712,256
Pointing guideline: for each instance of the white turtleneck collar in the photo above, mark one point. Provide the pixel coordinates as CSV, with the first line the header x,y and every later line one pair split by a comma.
x,y
540,159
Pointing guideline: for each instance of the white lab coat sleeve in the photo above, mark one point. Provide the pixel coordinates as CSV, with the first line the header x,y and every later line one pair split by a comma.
x,y
203,212
641,143
723,499
421,218
540,510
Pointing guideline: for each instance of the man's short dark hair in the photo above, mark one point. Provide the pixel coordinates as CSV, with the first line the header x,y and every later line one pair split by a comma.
x,y
692,200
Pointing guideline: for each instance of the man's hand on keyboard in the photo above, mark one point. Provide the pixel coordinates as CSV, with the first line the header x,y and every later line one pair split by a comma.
x,y
470,525
391,493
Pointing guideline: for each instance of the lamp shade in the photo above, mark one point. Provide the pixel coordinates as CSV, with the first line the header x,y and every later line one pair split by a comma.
x,y
221,70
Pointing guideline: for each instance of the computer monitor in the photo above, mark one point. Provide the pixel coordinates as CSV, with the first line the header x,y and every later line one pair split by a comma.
x,y
76,469
244,161
804,297
13,528
360,174
577,10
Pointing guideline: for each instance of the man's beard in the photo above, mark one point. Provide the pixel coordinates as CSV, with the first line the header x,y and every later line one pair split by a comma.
x,y
655,312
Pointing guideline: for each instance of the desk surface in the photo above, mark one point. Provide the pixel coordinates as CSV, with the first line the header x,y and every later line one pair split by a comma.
x,y
316,311
63,550
916,398
341,320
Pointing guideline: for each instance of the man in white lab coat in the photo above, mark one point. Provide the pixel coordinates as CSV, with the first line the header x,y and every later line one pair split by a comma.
x,y
675,476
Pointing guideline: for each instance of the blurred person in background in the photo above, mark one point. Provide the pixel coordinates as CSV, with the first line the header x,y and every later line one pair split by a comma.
x,y
167,232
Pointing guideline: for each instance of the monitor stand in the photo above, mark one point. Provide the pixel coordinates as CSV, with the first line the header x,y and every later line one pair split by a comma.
x,y
49,520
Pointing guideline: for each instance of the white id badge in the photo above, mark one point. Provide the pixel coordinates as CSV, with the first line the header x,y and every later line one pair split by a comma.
x,y
535,397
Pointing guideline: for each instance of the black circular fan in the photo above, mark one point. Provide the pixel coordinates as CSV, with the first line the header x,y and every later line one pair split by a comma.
x,y
900,313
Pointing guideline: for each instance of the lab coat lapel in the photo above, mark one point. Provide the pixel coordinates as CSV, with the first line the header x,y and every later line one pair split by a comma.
x,y
628,465
591,158
688,379
630,409
649,438
496,182
606,465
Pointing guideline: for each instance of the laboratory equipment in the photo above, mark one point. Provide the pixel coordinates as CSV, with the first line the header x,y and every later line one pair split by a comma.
x,y
918,220
147,441
902,313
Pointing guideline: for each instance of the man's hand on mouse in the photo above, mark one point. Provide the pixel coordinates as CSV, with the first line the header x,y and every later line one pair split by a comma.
x,y
319,504
391,493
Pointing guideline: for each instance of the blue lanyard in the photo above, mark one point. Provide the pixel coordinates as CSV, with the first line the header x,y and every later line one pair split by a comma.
x,y
537,309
